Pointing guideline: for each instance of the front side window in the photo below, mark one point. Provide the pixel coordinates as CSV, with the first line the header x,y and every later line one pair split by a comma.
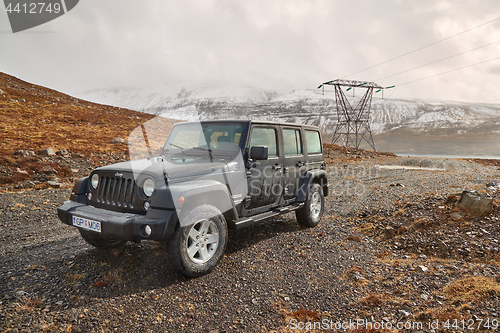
x,y
265,136
313,142
292,142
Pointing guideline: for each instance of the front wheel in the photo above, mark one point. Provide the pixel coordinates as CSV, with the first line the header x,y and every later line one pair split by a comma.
x,y
198,245
310,214
99,241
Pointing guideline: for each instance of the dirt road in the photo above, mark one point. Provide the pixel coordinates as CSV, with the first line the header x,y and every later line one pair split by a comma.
x,y
372,258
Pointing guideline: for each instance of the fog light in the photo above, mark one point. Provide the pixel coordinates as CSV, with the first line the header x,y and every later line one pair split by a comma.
x,y
147,230
89,196
146,206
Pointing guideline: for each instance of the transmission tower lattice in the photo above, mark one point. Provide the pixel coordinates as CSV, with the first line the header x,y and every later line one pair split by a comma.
x,y
353,124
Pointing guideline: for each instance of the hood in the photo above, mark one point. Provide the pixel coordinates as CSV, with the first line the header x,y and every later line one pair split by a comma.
x,y
174,169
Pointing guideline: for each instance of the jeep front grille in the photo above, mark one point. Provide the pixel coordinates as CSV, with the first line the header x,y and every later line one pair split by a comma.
x,y
116,191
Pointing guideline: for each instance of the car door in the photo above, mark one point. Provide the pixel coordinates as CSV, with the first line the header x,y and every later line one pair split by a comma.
x,y
294,163
265,177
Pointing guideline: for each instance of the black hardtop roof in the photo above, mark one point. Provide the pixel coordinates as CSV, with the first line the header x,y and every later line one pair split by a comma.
x,y
260,122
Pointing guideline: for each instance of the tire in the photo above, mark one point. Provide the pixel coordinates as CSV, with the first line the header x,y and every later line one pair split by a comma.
x,y
198,246
99,241
312,211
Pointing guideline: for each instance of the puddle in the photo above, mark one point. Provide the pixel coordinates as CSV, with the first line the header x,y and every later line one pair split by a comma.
x,y
405,167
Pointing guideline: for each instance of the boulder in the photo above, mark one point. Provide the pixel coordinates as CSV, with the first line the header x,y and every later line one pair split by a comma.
x,y
389,232
422,269
404,312
443,249
492,187
48,170
456,216
54,184
118,141
24,153
25,184
356,276
76,155
62,152
47,152
22,172
42,177
478,204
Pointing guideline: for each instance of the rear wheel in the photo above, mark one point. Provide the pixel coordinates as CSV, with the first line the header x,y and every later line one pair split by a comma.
x,y
312,211
197,247
100,241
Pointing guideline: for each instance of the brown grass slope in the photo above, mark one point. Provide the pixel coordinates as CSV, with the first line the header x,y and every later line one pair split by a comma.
x,y
34,117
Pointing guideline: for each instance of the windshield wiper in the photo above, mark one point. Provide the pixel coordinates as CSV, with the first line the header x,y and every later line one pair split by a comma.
x,y
206,149
176,146
198,148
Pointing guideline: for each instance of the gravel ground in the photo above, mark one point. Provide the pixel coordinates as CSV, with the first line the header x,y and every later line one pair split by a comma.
x,y
372,258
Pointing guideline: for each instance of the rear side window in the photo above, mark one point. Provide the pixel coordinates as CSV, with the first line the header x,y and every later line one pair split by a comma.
x,y
292,142
264,136
313,142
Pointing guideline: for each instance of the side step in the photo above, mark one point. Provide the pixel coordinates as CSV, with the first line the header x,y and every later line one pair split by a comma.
x,y
245,222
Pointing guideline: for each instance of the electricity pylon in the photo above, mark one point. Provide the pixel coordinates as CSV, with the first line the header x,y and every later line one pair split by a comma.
x,y
353,124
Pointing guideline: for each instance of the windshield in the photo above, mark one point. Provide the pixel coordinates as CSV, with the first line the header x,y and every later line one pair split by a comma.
x,y
214,137
205,151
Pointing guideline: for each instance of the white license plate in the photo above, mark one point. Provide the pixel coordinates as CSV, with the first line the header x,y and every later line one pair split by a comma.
x,y
86,224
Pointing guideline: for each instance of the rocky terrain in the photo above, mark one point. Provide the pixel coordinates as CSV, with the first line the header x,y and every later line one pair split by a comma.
x,y
392,249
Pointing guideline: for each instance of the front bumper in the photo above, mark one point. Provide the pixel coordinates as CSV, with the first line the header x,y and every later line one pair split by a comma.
x,y
124,226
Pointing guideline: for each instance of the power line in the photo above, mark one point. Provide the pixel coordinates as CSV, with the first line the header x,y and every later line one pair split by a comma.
x,y
453,70
433,62
423,47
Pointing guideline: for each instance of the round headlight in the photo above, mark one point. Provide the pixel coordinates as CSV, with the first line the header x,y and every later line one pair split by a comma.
x,y
94,181
148,187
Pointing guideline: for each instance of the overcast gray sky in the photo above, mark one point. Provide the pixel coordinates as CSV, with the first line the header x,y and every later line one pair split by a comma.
x,y
275,44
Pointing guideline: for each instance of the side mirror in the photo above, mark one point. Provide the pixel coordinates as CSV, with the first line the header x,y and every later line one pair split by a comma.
x,y
259,153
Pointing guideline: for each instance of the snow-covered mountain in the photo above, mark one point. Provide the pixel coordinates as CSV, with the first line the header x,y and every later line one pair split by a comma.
x,y
433,127
173,97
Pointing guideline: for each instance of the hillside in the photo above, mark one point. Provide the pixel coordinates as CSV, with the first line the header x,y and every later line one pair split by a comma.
x,y
35,118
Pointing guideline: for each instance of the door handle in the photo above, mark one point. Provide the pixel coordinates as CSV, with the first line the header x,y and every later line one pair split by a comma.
x,y
277,167
300,164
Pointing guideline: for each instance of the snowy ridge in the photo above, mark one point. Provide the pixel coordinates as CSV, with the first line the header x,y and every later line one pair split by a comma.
x,y
176,96
303,106
401,126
